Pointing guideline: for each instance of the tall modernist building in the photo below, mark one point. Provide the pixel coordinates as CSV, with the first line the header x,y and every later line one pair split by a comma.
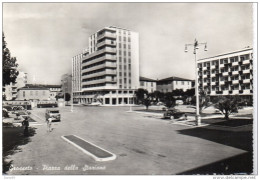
x,y
108,71
227,74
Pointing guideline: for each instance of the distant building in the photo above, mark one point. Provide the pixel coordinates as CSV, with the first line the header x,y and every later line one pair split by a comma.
x,y
11,90
33,93
148,84
227,74
172,83
38,92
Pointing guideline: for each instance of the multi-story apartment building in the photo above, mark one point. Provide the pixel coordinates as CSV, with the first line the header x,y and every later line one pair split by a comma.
x,y
227,74
11,90
110,67
172,83
148,84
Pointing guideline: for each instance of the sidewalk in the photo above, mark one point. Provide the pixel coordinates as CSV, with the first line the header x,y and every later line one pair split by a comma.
x,y
191,122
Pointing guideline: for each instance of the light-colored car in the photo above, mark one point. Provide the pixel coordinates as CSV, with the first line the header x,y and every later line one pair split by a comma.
x,y
53,113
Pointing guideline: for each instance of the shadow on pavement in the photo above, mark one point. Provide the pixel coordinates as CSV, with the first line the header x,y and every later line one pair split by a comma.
x,y
238,164
13,137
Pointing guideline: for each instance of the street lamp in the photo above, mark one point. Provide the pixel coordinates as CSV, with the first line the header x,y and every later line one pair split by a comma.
x,y
196,46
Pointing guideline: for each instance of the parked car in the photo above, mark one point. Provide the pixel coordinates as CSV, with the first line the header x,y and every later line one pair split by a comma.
x,y
179,102
174,114
53,113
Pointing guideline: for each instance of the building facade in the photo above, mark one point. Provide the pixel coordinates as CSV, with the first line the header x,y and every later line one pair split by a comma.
x,y
33,94
148,84
110,67
227,74
173,83
11,90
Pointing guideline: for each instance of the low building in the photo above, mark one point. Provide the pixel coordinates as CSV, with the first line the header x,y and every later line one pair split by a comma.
x,y
38,92
172,83
33,93
148,84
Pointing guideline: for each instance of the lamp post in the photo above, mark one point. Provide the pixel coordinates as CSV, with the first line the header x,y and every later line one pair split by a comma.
x,y
196,45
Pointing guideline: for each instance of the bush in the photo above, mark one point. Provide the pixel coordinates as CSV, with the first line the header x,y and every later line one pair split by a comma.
x,y
5,113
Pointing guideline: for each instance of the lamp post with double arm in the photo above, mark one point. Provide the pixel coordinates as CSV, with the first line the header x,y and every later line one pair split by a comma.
x,y
196,45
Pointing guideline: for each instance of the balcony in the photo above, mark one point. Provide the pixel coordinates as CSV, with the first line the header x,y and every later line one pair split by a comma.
x,y
106,57
106,64
99,81
204,68
225,92
235,82
247,91
107,35
246,71
213,75
106,42
234,63
107,49
204,75
213,83
222,65
246,61
225,73
235,72
235,92
222,82
246,81
105,72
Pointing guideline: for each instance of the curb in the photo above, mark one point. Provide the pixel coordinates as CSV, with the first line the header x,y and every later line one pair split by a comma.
x,y
113,157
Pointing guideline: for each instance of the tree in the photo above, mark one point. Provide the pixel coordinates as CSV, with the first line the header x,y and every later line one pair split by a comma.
x,y
147,102
178,92
227,105
10,72
169,100
190,92
140,94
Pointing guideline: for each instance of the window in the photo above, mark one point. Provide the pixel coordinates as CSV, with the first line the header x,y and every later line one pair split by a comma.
x,y
176,82
129,47
23,93
129,53
142,83
124,38
120,45
182,83
129,40
124,45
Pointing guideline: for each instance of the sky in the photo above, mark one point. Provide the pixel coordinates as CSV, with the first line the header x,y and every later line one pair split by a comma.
x,y
45,36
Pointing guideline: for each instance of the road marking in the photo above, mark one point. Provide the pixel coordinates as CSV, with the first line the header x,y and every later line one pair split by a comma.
x,y
96,152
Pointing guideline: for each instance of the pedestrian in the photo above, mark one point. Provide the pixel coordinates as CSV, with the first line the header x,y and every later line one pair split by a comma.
x,y
25,124
49,122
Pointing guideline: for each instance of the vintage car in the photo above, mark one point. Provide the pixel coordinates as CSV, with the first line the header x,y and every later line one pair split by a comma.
x,y
53,113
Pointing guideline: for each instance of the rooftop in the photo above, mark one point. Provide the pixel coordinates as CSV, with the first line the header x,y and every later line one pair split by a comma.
x,y
146,79
174,78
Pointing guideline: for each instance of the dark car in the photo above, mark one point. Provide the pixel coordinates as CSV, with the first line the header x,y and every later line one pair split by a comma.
x,y
174,114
